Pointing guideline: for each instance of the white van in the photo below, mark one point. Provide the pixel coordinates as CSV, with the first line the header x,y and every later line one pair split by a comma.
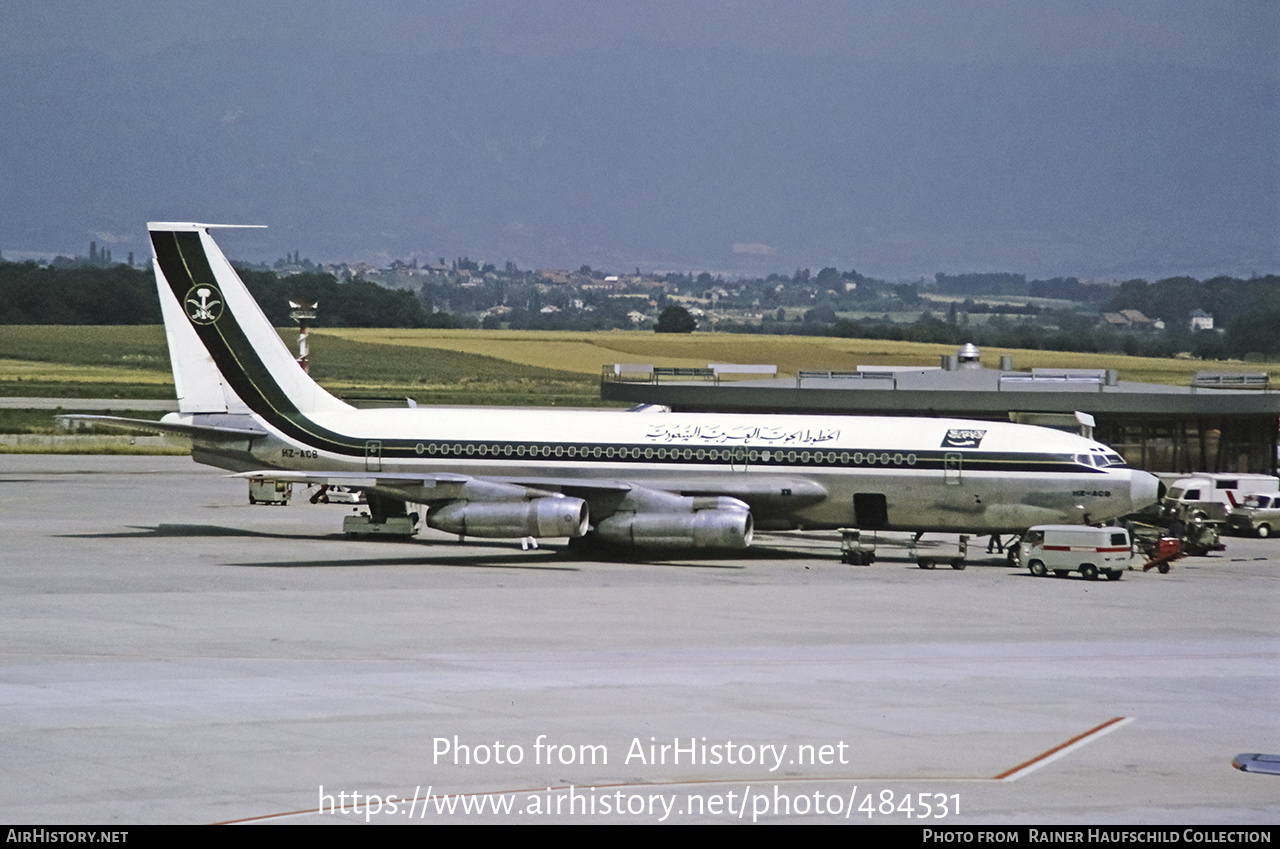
x,y
1212,496
1063,549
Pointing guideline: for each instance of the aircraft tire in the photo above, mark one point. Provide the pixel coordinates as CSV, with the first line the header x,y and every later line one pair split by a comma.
x,y
1037,569
1089,572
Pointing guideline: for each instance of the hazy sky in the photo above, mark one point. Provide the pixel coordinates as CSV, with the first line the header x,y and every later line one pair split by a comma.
x,y
899,138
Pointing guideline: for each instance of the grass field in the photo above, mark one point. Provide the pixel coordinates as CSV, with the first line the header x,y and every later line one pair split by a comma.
x,y
495,367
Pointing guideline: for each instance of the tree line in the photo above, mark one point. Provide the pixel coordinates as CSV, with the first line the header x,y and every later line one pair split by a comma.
x,y
118,294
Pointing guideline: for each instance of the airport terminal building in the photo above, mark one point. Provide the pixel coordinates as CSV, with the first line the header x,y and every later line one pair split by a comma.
x,y
1220,423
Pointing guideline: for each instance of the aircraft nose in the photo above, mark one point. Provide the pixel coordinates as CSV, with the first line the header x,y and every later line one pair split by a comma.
x,y
1144,489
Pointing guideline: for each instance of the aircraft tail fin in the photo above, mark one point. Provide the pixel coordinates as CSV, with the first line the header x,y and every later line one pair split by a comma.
x,y
226,355
200,386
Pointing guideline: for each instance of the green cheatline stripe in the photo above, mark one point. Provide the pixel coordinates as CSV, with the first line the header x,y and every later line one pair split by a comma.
x,y
185,266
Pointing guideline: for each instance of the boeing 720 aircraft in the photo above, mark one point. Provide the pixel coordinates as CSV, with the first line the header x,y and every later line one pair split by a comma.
x,y
655,479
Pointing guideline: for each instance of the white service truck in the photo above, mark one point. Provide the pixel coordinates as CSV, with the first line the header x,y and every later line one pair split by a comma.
x,y
1210,497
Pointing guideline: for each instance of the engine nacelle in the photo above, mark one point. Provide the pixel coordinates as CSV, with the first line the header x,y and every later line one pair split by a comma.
x,y
717,528
554,516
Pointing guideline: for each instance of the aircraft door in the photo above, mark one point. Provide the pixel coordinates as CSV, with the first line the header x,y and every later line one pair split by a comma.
x,y
373,456
951,465
738,458
870,511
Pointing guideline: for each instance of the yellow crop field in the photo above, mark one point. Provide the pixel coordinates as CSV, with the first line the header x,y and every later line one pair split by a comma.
x,y
581,353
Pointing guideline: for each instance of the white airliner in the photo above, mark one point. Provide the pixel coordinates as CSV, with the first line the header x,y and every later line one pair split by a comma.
x,y
656,479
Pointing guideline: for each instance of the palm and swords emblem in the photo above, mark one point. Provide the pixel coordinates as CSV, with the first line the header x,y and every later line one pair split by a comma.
x,y
203,304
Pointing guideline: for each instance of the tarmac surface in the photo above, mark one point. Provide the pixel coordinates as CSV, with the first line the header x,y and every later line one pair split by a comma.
x,y
170,654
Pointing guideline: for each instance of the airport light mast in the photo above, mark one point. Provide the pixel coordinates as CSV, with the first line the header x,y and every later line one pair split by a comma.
x,y
303,313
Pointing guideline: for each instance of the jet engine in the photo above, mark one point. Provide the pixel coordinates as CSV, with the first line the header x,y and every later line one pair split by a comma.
x,y
551,516
686,522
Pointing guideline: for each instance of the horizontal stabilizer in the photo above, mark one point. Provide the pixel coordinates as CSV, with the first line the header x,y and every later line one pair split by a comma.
x,y
211,433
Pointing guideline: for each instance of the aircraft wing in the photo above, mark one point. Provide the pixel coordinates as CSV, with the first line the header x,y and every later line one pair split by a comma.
x,y
429,487
764,496
688,514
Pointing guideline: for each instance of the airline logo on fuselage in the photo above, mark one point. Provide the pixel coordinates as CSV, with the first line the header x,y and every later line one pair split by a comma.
x,y
741,433
963,438
203,304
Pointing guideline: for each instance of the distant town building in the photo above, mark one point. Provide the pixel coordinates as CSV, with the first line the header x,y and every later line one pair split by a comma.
x,y
556,275
1201,320
1130,320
